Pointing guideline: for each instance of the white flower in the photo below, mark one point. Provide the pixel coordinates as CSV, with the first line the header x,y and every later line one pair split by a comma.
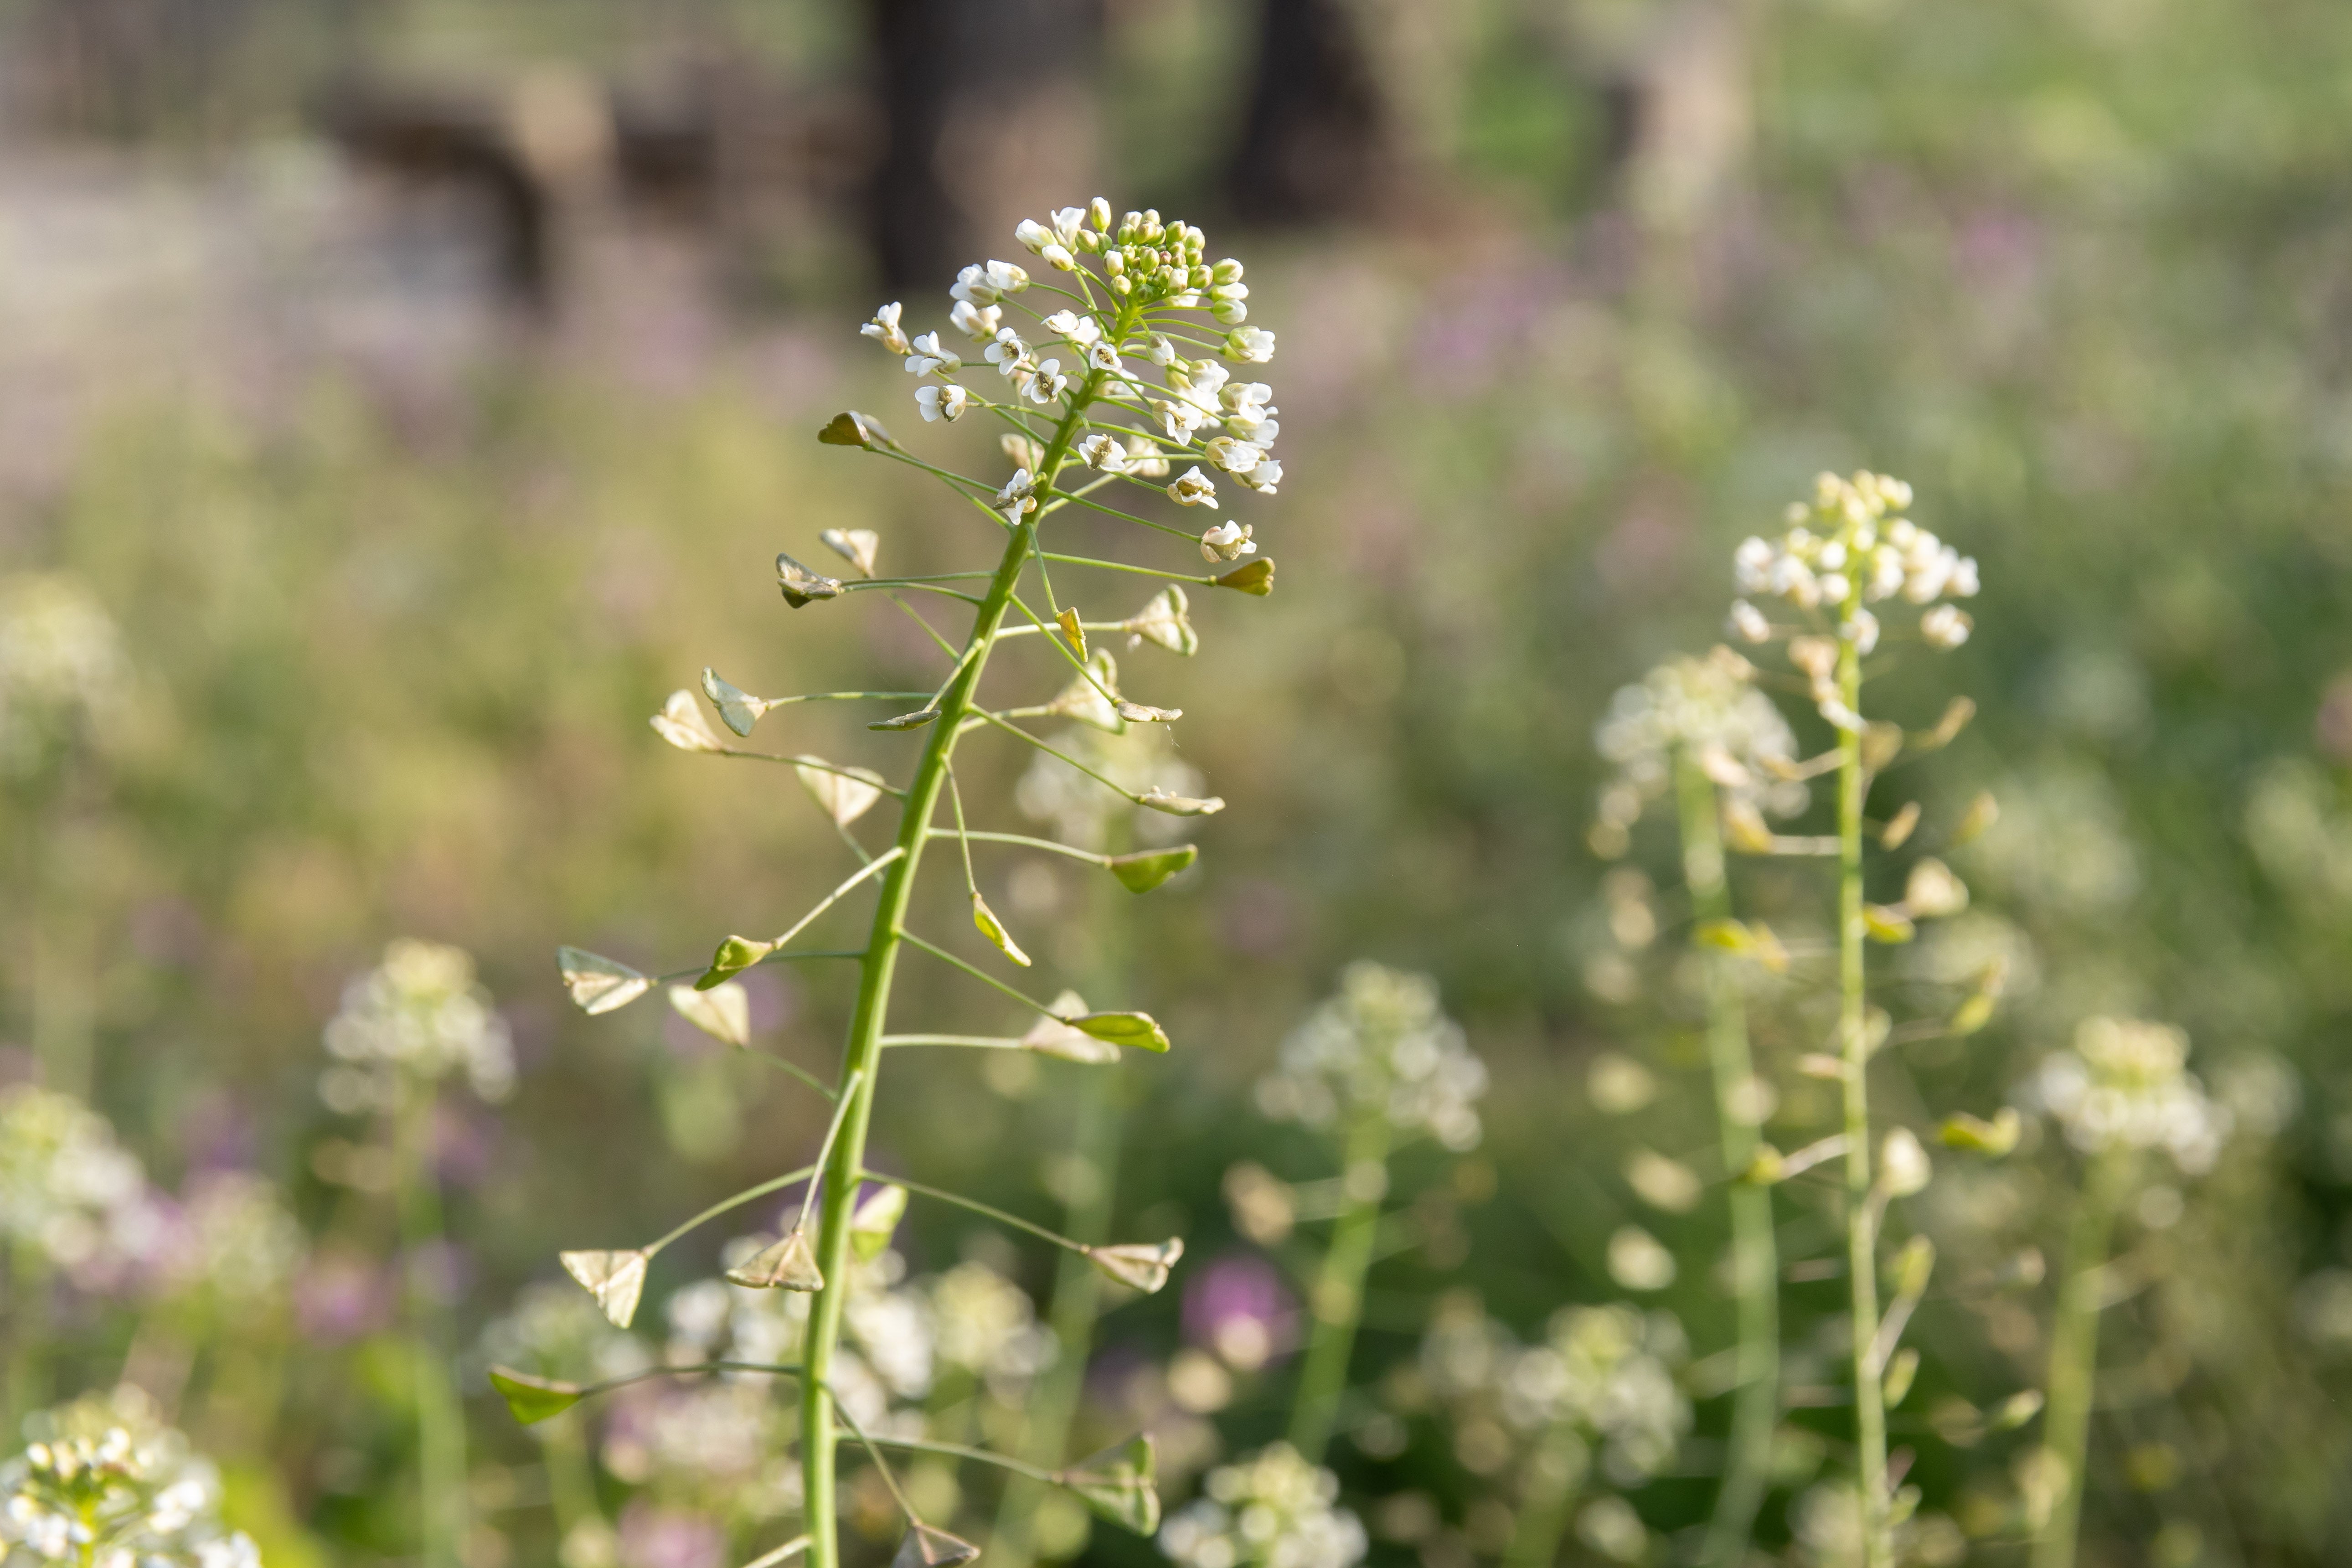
x,y
1018,496
1046,384
422,1012
1195,488
1272,1509
1264,477
976,322
1179,418
1160,351
1060,257
1862,631
1235,457
1708,708
1963,584
1250,345
2125,1086
1102,450
1945,626
1069,222
1227,541
1008,353
1746,623
1381,1048
1105,358
884,329
926,356
1252,400
939,402
1079,329
1201,385
984,285
1033,235
107,1483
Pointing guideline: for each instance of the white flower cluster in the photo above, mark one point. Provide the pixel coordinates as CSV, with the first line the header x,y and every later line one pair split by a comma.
x,y
67,1187
230,1234
1708,708
1125,351
61,664
1272,1509
1382,1048
1607,1373
553,1330
1845,551
2127,1085
1081,810
419,1014
105,1484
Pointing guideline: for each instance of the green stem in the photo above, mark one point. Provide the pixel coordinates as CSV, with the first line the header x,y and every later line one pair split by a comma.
x,y
2075,1354
1861,1244
1554,1477
1338,1302
862,1054
1097,1118
1755,1265
440,1420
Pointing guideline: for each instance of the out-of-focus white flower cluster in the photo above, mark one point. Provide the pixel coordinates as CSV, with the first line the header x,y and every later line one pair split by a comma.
x,y
1708,708
1081,812
1605,1373
67,1187
61,665
419,1014
1850,547
1272,1509
2127,1085
1135,276
230,1234
105,1484
554,1330
1381,1048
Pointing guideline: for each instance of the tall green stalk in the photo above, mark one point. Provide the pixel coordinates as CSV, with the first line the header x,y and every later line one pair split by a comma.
x,y
1554,1480
1097,1116
1861,1240
1755,1265
440,1419
1338,1296
863,1056
2075,1354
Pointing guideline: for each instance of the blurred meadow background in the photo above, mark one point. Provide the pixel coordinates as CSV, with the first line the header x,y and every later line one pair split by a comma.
x,y
401,399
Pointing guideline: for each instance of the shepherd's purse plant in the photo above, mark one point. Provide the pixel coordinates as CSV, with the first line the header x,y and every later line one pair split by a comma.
x,y
1127,377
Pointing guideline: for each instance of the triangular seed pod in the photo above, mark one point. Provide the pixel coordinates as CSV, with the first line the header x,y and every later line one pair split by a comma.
x,y
1250,577
1138,713
1163,620
915,720
788,1265
1159,799
1084,698
993,929
844,795
1121,1484
734,955
615,1279
801,585
926,1546
597,983
723,1012
1147,868
1142,1265
850,428
531,1399
738,708
1073,631
874,1221
1136,1029
859,546
681,723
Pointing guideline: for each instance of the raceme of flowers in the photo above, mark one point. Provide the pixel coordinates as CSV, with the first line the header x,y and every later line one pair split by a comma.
x,y
1120,292
61,665
105,1484
1709,708
1380,1046
1847,549
67,1187
419,1014
2126,1086
1272,1509
1606,1373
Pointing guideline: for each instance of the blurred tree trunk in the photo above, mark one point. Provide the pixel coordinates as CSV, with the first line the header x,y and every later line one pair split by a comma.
x,y
990,114
1316,138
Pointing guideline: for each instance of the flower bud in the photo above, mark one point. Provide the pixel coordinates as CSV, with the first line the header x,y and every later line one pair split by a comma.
x,y
1903,1167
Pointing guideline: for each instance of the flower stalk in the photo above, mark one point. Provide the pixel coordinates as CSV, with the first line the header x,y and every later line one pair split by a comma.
x,y
1755,1260
2075,1354
440,1419
1337,1304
